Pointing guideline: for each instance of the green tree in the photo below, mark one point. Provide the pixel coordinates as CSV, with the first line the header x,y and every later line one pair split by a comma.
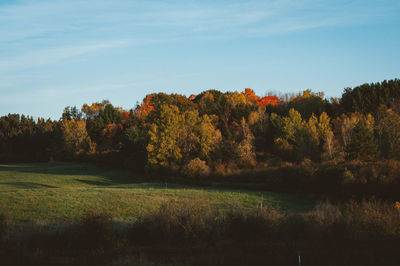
x,y
363,144
388,125
71,113
368,98
308,103
296,136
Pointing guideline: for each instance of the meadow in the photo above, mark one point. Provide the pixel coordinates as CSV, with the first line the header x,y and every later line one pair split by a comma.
x,y
46,193
82,214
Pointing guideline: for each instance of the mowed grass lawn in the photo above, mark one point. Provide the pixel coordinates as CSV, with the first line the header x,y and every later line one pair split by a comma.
x,y
45,192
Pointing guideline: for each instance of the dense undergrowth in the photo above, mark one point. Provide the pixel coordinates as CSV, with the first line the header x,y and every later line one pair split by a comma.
x,y
352,233
351,179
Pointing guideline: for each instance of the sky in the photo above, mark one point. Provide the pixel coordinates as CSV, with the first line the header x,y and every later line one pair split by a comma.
x,y
57,53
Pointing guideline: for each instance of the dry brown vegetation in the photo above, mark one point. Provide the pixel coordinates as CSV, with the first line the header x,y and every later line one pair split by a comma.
x,y
353,233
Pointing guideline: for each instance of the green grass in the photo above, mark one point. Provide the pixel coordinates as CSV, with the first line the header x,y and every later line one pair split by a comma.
x,y
45,192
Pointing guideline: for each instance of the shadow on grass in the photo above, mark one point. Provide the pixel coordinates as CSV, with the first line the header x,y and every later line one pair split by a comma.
x,y
120,179
27,185
112,176
95,183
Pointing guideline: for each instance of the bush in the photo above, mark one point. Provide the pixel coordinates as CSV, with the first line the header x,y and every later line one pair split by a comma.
x,y
252,225
190,222
283,149
3,225
226,169
95,229
196,168
348,177
372,219
357,220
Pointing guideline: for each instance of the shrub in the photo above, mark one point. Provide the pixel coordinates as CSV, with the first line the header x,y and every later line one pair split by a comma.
x,y
219,169
348,177
358,220
252,225
95,229
226,169
196,168
189,222
372,219
283,149
3,225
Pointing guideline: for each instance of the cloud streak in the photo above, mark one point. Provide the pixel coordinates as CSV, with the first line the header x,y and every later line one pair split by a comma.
x,y
39,39
38,32
49,20
42,57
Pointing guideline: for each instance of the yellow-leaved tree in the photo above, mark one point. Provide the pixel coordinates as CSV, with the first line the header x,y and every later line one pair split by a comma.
x,y
176,137
75,137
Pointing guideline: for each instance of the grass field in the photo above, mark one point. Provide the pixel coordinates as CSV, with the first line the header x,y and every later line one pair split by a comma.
x,y
45,192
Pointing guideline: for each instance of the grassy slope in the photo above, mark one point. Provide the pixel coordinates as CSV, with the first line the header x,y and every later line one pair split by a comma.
x,y
44,192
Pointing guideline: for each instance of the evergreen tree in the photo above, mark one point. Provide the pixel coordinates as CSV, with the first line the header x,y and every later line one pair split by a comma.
x,y
363,144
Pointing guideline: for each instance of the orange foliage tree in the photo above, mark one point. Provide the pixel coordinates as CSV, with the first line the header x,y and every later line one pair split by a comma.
x,y
145,108
251,96
268,100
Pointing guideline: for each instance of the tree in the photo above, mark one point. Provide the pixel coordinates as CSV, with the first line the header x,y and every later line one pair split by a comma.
x,y
163,148
363,144
246,151
209,137
177,137
75,136
71,113
324,126
388,125
145,108
331,148
295,136
343,127
308,103
250,95
92,111
268,100
368,98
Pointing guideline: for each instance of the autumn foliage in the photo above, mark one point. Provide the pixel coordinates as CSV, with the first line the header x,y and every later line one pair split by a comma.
x,y
218,133
145,108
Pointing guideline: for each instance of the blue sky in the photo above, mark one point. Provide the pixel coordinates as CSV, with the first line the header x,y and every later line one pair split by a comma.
x,y
56,53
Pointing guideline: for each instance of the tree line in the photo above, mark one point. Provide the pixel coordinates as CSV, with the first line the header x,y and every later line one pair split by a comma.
x,y
215,132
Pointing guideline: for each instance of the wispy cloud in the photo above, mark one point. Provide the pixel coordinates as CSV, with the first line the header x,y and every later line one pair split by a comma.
x,y
39,32
80,20
42,57
37,36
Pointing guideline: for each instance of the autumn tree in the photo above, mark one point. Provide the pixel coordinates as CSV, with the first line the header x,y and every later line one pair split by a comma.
x,y
145,108
271,100
250,95
75,137
163,148
92,111
246,150
343,127
176,137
